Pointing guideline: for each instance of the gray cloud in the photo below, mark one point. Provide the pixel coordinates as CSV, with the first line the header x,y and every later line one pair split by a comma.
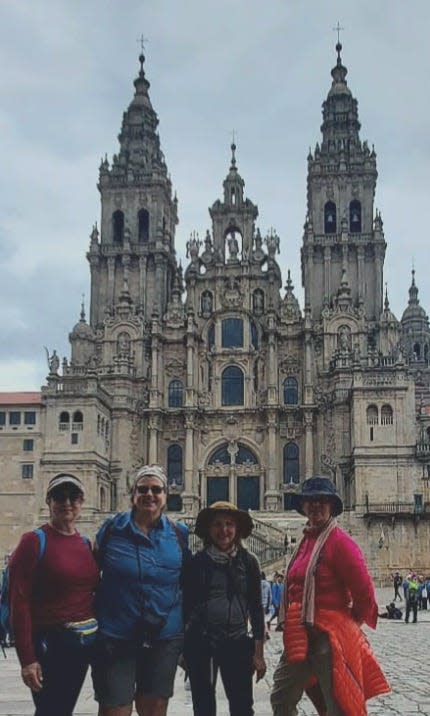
x,y
262,69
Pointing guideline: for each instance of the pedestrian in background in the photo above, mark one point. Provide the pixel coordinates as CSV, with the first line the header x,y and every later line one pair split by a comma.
x,y
412,599
397,583
266,600
277,597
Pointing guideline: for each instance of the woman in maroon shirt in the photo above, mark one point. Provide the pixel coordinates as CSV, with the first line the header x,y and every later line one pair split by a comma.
x,y
53,577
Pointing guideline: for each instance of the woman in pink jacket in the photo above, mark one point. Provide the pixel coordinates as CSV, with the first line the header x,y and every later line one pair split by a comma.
x,y
329,594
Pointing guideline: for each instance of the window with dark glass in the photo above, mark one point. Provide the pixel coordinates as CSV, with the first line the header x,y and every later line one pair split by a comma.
x,y
29,417
118,227
174,465
28,445
143,221
176,394
245,456
232,333
27,472
64,421
14,417
74,438
330,218
2,417
355,217
232,391
291,391
220,455
291,464
386,415
78,421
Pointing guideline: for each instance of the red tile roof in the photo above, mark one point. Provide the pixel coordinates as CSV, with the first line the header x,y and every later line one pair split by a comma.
x,y
21,398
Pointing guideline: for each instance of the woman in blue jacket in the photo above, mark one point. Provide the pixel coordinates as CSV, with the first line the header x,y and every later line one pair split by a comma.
x,y
139,603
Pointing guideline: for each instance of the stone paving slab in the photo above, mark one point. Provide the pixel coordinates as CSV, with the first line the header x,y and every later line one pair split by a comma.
x,y
402,650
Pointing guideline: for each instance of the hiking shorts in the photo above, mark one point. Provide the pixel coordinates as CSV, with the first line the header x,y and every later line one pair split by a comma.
x,y
121,669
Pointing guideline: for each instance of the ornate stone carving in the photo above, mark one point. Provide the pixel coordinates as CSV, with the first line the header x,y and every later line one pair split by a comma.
x,y
290,364
232,296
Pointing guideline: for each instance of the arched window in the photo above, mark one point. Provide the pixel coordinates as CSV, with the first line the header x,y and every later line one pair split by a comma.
x,y
64,421
222,455
174,465
386,415
330,218
245,456
143,226
78,421
176,394
291,392
291,464
355,217
232,333
417,351
372,415
118,227
232,386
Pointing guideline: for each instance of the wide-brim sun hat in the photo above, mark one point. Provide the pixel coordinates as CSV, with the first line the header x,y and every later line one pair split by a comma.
x,y
317,487
243,520
64,479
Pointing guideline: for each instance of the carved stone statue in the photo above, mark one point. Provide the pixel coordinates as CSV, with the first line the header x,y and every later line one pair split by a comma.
x,y
233,246
123,344
206,303
53,362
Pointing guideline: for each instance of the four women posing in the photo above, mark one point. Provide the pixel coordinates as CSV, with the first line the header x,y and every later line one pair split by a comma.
x,y
149,582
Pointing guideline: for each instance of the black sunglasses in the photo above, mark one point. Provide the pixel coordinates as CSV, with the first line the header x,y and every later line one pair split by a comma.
x,y
63,495
144,489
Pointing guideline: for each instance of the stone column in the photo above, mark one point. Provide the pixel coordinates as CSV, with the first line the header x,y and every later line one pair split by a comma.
x,y
272,487
153,439
111,280
272,381
360,271
327,270
309,444
189,496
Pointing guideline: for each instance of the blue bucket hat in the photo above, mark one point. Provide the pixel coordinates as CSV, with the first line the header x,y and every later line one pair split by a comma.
x,y
317,487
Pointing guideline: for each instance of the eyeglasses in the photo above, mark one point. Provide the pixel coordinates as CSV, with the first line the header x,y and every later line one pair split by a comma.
x,y
144,489
63,495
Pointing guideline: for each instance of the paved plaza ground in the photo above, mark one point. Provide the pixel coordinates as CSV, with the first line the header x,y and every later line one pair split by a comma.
x,y
401,648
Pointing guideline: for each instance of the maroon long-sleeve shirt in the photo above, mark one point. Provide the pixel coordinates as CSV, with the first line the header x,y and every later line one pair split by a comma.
x,y
52,590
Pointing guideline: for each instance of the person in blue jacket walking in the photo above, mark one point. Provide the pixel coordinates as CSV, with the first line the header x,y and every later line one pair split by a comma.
x,y
139,602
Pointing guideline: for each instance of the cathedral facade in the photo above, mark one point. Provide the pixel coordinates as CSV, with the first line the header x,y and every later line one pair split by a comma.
x,y
217,373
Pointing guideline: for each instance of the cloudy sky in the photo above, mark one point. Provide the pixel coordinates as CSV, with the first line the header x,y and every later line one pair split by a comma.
x,y
260,68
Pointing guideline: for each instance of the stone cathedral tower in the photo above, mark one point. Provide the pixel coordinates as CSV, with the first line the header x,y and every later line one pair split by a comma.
x,y
219,374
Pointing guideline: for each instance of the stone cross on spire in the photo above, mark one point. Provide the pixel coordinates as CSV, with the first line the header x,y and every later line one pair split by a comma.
x,y
338,29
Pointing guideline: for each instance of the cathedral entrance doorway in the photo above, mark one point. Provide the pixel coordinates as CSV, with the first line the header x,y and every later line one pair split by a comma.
x,y
233,474
217,489
248,493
